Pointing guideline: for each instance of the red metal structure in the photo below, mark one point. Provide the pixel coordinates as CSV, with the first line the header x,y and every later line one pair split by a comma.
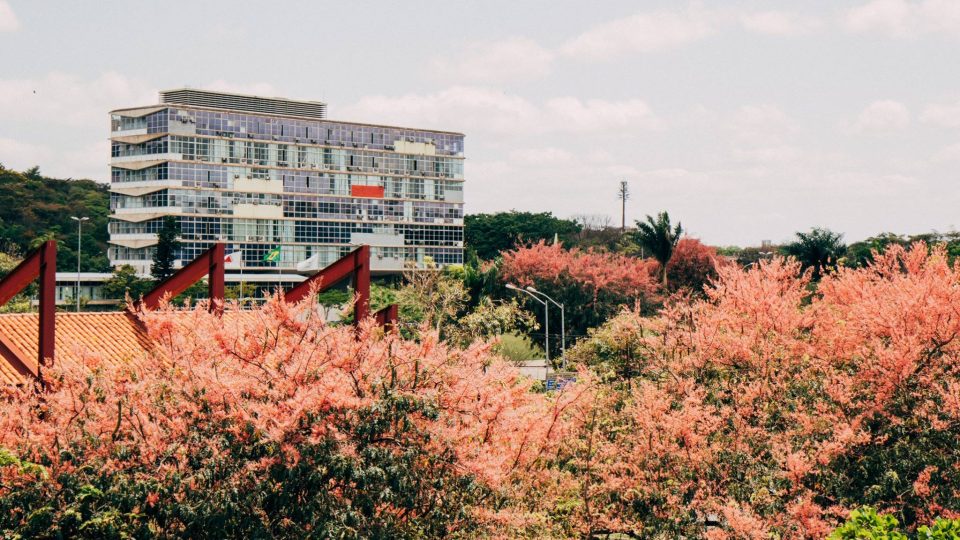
x,y
42,264
387,317
355,264
210,263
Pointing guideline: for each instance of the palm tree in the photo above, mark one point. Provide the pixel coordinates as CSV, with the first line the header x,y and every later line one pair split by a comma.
x,y
819,249
659,238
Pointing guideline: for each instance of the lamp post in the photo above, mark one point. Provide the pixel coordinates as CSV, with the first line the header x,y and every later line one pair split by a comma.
x,y
79,221
546,316
563,326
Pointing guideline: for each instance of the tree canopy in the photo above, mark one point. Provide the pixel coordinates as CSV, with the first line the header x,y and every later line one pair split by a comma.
x,y
490,234
818,250
659,238
168,247
34,208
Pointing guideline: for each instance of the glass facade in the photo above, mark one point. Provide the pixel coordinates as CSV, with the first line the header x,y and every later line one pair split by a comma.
x,y
312,187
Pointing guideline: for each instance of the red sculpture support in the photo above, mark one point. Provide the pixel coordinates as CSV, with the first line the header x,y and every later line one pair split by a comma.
x,y
387,317
210,263
42,264
355,264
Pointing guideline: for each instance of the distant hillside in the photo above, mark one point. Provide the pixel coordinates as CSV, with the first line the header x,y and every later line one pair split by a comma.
x,y
34,208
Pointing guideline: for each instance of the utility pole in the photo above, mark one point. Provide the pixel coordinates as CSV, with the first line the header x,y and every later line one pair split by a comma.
x,y
79,221
623,194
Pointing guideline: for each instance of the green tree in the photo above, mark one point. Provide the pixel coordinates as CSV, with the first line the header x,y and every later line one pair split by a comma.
x,y
35,208
820,249
659,238
167,247
860,254
490,234
9,259
125,281
867,524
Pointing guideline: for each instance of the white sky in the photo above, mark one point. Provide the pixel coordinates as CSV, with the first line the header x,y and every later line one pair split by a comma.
x,y
746,120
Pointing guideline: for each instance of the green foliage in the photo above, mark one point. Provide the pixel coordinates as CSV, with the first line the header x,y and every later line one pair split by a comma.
x,y
34,208
819,250
518,348
867,524
21,302
435,299
441,302
481,279
859,254
234,292
341,299
193,293
942,529
168,246
615,350
659,238
124,282
335,297
488,320
489,234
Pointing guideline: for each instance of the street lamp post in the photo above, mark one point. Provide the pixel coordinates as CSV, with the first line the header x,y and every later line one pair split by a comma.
x,y
563,326
79,221
546,316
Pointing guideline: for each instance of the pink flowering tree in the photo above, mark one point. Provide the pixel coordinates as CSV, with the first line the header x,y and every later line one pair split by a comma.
x,y
592,285
766,409
271,423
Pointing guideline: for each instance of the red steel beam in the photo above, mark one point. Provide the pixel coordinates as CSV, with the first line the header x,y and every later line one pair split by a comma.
x,y
42,264
17,360
387,317
209,263
355,264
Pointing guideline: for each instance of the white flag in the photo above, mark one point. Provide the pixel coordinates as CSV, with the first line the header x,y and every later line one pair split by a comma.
x,y
233,260
312,263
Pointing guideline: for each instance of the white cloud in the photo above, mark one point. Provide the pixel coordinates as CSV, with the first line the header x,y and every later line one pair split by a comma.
x,y
510,59
59,121
572,114
780,23
946,114
900,18
863,182
949,153
768,154
67,100
255,88
760,124
477,109
541,156
459,108
64,161
641,33
8,19
883,116
20,155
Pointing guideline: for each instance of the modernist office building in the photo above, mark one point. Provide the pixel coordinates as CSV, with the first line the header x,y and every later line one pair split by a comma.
x,y
274,175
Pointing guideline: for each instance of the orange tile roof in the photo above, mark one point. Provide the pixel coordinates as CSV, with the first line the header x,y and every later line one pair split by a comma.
x,y
113,336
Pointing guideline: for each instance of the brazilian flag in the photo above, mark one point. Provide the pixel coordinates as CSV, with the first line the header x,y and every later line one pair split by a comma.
x,y
273,255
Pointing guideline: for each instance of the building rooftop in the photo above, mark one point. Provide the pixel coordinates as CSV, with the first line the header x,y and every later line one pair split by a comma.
x,y
241,102
280,110
113,337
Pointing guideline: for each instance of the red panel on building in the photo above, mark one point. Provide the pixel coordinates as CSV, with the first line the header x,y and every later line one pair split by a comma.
x,y
367,191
